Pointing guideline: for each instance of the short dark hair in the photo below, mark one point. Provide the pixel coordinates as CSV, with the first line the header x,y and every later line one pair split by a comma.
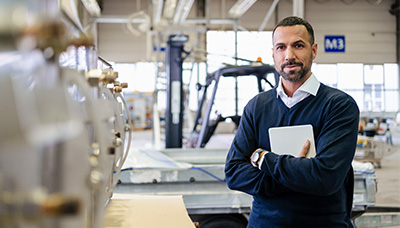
x,y
291,21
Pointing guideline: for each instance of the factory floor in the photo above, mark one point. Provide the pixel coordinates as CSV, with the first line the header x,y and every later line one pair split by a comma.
x,y
388,180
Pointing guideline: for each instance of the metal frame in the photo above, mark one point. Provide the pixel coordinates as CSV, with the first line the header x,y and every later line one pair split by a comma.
x,y
199,139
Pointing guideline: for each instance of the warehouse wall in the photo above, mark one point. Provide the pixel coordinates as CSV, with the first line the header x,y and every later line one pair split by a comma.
x,y
369,29
115,42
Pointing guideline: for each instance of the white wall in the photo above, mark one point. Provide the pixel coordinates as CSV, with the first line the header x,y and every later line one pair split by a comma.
x,y
369,29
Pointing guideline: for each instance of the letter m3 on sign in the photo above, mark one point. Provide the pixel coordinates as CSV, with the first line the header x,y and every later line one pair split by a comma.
x,y
335,44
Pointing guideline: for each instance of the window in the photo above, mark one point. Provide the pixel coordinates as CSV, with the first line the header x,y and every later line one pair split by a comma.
x,y
250,46
139,76
191,75
375,88
391,87
326,73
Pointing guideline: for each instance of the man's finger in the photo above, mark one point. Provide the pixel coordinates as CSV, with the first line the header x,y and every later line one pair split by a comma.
x,y
305,149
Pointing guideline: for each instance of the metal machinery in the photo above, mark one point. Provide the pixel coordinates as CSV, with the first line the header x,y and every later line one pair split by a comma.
x,y
63,133
199,138
198,175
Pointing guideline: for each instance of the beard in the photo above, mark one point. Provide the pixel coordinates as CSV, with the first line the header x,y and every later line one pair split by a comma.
x,y
292,75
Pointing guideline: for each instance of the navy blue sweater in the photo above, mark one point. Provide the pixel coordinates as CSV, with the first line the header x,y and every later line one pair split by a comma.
x,y
290,191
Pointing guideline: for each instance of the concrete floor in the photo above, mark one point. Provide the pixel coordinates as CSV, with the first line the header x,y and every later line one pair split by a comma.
x,y
388,179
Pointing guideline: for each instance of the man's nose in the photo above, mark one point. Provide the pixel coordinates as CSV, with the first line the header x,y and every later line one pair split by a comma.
x,y
289,54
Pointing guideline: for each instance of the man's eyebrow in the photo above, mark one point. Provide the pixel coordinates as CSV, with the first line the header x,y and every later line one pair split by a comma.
x,y
299,41
279,44
295,42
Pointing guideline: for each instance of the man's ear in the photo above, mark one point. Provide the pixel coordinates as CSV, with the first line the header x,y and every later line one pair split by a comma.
x,y
314,50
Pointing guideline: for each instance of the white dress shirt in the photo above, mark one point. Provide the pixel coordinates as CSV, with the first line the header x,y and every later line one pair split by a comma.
x,y
309,87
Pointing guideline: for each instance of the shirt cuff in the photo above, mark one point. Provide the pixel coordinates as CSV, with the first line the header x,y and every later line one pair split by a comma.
x,y
262,159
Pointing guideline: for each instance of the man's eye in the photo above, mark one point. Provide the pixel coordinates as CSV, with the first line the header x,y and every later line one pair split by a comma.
x,y
279,47
299,46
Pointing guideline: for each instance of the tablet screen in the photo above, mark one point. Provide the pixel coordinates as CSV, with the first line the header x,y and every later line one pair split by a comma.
x,y
291,139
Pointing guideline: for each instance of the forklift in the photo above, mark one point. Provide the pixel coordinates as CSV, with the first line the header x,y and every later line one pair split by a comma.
x,y
199,138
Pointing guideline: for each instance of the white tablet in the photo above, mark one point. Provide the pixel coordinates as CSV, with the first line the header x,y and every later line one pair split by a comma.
x,y
291,139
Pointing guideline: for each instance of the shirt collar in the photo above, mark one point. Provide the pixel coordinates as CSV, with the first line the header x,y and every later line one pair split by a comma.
x,y
311,86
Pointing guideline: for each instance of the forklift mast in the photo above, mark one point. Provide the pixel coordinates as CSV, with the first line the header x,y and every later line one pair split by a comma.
x,y
174,109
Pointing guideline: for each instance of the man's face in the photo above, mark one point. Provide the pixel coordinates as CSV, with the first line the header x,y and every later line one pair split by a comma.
x,y
292,52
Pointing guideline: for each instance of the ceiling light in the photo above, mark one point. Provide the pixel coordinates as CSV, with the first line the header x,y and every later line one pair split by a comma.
x,y
186,10
240,7
169,8
182,11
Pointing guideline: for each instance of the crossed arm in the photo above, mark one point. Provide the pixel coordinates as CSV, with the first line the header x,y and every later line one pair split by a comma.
x,y
303,153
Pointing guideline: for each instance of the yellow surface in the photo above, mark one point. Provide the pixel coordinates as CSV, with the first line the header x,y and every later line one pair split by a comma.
x,y
127,211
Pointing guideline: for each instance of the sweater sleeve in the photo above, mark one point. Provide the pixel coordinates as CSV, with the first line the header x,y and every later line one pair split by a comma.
x,y
335,144
240,174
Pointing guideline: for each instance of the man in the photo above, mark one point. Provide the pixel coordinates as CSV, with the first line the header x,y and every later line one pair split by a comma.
x,y
297,191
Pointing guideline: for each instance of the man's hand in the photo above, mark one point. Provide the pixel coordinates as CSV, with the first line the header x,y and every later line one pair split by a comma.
x,y
304,150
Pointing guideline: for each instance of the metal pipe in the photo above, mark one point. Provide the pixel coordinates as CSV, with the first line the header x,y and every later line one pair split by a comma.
x,y
186,11
268,15
395,10
207,19
158,12
240,7
236,59
298,8
124,19
104,61
179,11
119,20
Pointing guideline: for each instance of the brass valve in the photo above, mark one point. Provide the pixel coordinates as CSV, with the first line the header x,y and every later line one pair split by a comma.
x,y
119,86
108,76
117,89
93,77
57,204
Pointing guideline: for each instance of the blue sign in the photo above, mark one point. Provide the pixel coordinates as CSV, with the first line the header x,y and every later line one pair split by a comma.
x,y
335,44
